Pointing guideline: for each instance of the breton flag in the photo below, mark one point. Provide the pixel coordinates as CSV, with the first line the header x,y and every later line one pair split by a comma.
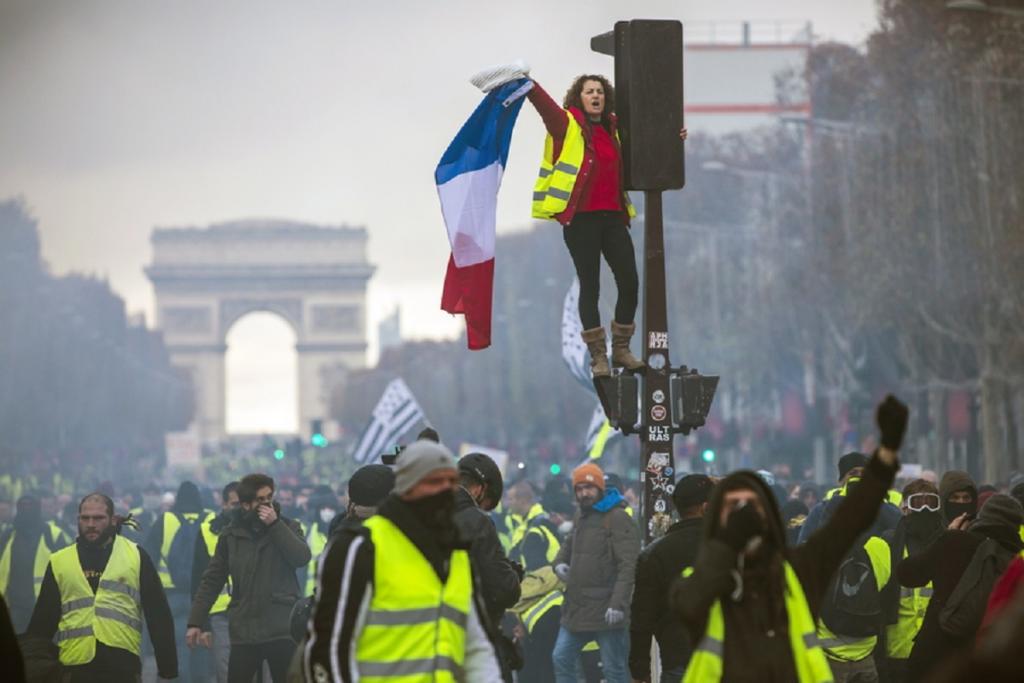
x,y
599,434
468,177
395,414
574,351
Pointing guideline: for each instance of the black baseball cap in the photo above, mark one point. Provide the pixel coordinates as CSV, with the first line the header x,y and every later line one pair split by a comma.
x,y
693,489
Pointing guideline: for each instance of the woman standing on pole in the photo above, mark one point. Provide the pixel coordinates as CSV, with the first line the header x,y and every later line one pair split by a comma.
x,y
580,185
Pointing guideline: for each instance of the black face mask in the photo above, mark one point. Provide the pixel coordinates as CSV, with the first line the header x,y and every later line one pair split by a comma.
x,y
923,525
435,511
953,510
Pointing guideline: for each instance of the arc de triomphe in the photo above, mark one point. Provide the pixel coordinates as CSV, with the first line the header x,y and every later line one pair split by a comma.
x,y
314,277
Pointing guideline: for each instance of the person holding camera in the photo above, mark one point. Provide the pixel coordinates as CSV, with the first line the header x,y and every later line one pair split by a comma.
x,y
260,550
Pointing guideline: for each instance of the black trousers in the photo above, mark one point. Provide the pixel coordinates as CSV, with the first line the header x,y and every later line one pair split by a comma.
x,y
247,660
588,236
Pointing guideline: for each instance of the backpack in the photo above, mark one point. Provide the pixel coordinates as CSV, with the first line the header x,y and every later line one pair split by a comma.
x,y
853,606
962,614
183,550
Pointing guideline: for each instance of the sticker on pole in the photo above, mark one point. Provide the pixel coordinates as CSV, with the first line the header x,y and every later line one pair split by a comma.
x,y
659,413
656,434
658,340
658,396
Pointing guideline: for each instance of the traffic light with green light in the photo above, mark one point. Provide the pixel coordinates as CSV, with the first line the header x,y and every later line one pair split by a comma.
x,y
708,456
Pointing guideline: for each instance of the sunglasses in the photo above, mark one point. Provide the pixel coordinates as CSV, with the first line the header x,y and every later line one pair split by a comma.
x,y
917,502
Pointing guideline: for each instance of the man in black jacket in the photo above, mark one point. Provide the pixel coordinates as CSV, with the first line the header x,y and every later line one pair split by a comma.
x,y
480,483
480,489
657,567
420,511
97,529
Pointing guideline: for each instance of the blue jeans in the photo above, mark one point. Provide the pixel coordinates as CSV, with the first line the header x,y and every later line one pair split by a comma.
x,y
614,646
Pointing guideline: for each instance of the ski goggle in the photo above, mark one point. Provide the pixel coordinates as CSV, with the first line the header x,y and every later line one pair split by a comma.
x,y
918,502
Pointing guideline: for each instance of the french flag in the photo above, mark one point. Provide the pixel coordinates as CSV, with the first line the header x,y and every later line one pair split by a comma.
x,y
468,177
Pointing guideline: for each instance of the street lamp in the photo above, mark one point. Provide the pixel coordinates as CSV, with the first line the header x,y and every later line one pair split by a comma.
x,y
979,6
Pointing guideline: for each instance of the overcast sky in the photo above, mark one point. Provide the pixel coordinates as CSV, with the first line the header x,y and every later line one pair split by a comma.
x,y
117,116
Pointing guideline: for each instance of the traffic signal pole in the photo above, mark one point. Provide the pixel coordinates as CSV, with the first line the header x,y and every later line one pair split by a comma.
x,y
657,461
649,85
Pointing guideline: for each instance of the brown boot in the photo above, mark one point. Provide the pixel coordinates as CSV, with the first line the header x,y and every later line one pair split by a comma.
x,y
598,345
621,356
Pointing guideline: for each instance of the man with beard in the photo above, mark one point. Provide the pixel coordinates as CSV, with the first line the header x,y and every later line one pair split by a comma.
x,y
397,595
259,550
750,603
905,608
94,596
215,632
959,496
597,564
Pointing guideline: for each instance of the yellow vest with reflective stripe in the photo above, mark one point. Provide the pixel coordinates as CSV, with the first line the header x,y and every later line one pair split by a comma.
x,y
317,541
913,605
557,177
521,531
808,657
113,615
415,627
171,526
38,569
894,497
210,539
532,615
850,649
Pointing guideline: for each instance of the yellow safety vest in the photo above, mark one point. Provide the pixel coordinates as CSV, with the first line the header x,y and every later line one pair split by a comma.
x,y
850,649
317,541
913,605
808,657
112,615
38,569
210,538
415,626
542,607
171,526
894,497
521,531
557,177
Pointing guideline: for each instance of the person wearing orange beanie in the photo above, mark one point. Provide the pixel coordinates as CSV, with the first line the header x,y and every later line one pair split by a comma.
x,y
597,562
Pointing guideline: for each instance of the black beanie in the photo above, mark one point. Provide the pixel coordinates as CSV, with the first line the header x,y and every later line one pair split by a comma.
x,y
370,485
693,489
851,460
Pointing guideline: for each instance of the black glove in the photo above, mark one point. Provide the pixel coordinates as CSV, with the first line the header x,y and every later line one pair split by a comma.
x,y
743,524
892,422
518,568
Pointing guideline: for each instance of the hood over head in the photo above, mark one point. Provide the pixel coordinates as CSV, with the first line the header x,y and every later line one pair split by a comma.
x,y
188,498
740,480
955,480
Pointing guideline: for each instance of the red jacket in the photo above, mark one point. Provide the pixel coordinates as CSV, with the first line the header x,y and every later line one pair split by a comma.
x,y
554,119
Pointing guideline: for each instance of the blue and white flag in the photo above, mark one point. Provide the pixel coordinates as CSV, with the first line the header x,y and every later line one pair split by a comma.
x,y
396,413
600,433
468,177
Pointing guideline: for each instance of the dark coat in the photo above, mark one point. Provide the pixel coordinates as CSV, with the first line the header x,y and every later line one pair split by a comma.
x,y
756,645
942,564
601,552
498,579
657,568
264,588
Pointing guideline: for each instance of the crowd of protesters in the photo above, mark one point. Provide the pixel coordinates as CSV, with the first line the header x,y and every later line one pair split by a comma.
x,y
437,569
